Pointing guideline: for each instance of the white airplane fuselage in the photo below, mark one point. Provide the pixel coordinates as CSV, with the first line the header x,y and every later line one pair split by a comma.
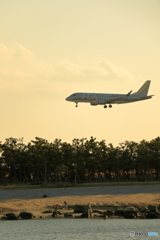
x,y
109,98
102,98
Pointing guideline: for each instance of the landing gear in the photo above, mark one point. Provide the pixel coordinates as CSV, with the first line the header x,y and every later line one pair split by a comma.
x,y
110,106
76,105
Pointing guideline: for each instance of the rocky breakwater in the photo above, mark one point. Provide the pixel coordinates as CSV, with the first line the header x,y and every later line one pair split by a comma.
x,y
21,215
92,211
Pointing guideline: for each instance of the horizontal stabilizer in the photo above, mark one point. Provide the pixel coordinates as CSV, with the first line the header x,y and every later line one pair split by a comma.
x,y
128,94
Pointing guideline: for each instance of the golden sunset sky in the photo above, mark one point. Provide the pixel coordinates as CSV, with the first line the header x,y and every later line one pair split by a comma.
x,y
50,49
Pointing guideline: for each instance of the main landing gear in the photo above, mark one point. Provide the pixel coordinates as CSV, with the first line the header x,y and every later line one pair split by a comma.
x,y
76,105
110,106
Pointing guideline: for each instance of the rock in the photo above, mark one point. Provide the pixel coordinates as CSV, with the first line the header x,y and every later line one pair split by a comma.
x,y
84,215
130,212
151,215
119,212
79,209
26,215
68,215
130,209
130,215
10,216
109,213
157,214
141,215
142,209
153,208
47,211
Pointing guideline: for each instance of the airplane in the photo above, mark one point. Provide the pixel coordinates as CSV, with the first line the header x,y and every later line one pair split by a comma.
x,y
108,98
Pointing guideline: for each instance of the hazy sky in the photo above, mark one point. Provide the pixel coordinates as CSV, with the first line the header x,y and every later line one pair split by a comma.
x,y
50,49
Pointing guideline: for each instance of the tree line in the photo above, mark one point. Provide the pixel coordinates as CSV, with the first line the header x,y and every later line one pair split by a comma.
x,y
83,160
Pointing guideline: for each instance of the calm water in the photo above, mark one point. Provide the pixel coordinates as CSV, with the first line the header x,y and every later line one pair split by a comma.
x,y
76,229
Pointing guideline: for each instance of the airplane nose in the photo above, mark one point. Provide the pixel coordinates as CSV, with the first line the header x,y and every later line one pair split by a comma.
x,y
67,99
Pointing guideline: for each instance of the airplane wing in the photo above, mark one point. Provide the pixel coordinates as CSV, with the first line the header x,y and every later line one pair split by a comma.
x,y
112,100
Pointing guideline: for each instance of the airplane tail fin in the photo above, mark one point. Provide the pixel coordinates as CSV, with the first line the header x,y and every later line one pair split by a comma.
x,y
143,91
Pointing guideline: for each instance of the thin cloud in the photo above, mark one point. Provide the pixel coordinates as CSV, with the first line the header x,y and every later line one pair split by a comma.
x,y
117,72
66,67
21,51
5,53
22,71
104,69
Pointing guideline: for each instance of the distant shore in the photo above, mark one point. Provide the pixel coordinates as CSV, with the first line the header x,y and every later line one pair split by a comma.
x,y
32,200
38,206
37,192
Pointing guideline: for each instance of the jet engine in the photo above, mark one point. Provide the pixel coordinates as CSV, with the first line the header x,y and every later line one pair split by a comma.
x,y
94,103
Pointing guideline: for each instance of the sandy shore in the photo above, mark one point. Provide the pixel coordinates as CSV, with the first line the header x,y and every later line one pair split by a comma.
x,y
37,206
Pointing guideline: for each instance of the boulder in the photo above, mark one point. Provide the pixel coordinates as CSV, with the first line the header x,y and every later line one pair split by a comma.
x,y
141,215
151,215
153,208
79,209
130,210
84,215
26,215
143,209
157,214
119,212
10,216
130,215
68,215
109,213
47,211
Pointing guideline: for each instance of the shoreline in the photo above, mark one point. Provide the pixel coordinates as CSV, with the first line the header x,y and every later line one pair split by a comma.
x,y
100,202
